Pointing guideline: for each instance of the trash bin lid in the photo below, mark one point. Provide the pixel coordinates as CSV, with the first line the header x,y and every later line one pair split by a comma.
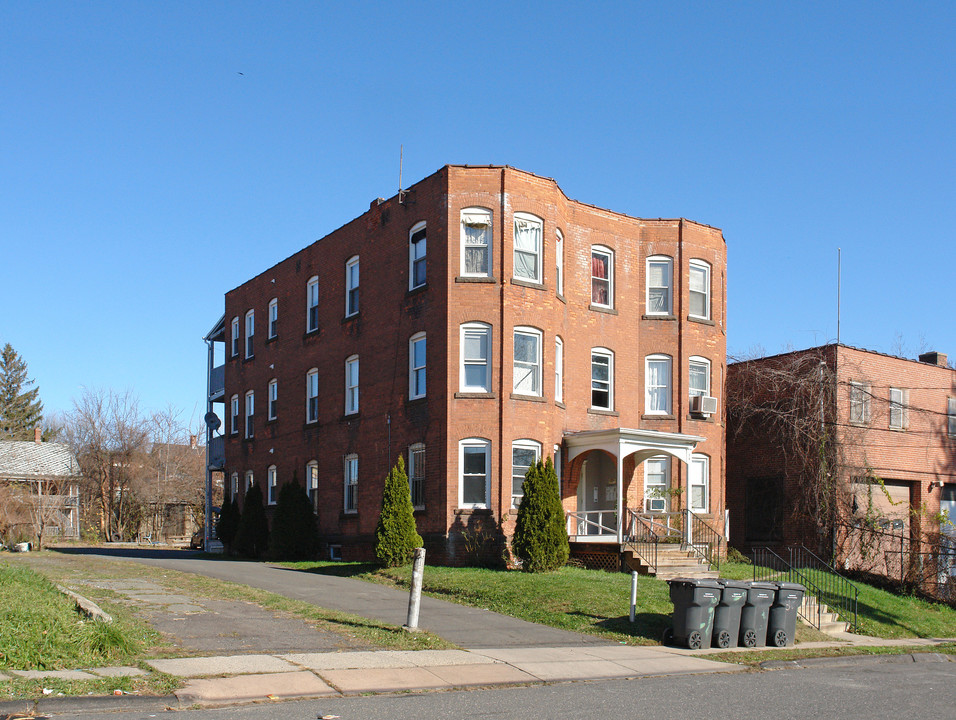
x,y
734,583
790,586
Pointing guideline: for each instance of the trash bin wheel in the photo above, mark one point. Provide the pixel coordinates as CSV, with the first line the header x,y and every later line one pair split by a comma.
x,y
723,639
750,638
668,636
780,638
695,640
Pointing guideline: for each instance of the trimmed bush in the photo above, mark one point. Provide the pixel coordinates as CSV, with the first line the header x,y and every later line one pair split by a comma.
x,y
228,523
295,535
396,536
252,535
541,537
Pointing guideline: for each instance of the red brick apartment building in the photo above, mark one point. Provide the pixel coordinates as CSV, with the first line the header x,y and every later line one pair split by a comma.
x,y
471,324
887,428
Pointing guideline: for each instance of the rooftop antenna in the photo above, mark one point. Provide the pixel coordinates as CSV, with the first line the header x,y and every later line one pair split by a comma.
x,y
839,258
401,158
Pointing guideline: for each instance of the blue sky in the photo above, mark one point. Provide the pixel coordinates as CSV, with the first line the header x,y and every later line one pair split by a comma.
x,y
155,155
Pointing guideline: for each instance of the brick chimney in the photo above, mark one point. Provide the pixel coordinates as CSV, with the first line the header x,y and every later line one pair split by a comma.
x,y
934,358
193,441
37,433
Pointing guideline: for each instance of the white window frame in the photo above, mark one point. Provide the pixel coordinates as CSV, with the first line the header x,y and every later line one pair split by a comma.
x,y
559,262
475,329
859,402
312,483
558,369
417,366
897,409
522,369
250,414
608,355
699,266
273,398
476,217
250,481
236,337
608,254
522,219
416,474
312,396
698,476
233,486
273,318
234,415
651,408
951,416
350,483
352,385
273,494
701,364
417,254
557,464
312,304
668,263
474,446
517,491
656,497
352,282
250,333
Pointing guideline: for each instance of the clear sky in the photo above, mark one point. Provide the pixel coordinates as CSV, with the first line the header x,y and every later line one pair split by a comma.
x,y
154,155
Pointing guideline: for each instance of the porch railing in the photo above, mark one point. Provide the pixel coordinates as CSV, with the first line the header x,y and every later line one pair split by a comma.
x,y
592,523
646,531
704,540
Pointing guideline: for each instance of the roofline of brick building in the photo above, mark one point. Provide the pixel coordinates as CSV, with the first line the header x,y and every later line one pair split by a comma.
x,y
828,346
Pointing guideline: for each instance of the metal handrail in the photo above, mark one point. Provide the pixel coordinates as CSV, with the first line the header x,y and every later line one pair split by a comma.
x,y
839,594
709,548
770,567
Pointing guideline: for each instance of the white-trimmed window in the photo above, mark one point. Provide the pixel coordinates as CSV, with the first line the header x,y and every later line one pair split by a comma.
x,y
312,304
602,379
416,256
660,273
859,403
234,486
698,376
273,317
250,413
476,358
474,480
656,482
602,276
524,454
234,414
350,493
557,464
527,247
312,483
250,481
416,474
416,366
699,289
273,490
352,286
235,336
657,385
558,369
352,385
273,399
559,262
699,483
951,416
250,332
312,396
527,361
897,408
476,242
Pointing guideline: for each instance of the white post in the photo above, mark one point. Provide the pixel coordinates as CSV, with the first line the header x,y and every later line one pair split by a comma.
x,y
688,526
633,594
415,593
620,496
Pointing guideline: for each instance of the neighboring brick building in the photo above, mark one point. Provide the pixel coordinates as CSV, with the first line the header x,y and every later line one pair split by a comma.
x,y
544,326
890,429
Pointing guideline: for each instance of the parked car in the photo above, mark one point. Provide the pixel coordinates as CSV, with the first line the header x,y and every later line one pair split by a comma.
x,y
197,541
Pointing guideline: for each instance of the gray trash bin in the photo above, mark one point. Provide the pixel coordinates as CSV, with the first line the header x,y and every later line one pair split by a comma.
x,y
727,615
755,614
782,626
694,603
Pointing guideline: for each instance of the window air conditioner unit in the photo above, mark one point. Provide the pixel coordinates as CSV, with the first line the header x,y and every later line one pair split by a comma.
x,y
703,405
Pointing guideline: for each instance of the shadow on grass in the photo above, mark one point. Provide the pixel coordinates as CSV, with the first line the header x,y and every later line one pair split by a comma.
x,y
649,626
132,551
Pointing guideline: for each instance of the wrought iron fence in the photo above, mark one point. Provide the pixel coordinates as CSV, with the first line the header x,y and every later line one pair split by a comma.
x,y
771,567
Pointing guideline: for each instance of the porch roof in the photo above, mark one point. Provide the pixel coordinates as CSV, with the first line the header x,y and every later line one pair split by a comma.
x,y
621,442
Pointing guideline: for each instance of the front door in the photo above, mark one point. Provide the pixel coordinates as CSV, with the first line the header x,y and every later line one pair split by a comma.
x,y
597,494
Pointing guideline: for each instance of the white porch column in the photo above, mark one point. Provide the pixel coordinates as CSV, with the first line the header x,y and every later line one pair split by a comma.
x,y
620,495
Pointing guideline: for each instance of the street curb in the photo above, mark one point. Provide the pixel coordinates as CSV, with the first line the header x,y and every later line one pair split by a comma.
x,y
855,660
82,704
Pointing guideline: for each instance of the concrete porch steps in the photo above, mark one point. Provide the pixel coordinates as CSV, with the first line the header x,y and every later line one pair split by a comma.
x,y
830,622
673,561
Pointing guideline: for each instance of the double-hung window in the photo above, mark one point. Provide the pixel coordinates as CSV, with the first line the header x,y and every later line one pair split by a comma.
x,y
657,385
235,337
527,247
273,490
234,415
859,403
699,289
312,396
558,369
250,332
699,376
476,358
416,366
897,408
234,486
416,256
660,271
474,481
250,414
699,483
476,242
559,262
416,474
352,385
273,318
312,483
602,277
350,490
312,305
352,287
524,454
656,481
273,399
602,379
250,481
951,417
527,361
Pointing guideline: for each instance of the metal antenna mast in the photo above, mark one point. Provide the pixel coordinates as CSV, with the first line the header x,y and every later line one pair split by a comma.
x,y
839,259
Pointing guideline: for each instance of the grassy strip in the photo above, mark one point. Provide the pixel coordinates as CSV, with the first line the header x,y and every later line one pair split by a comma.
x,y
154,684
755,657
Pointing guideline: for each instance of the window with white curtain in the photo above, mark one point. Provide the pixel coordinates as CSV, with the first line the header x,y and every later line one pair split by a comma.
x,y
527,361
527,247
657,383
475,358
699,483
524,454
476,242
660,271
699,289
897,408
